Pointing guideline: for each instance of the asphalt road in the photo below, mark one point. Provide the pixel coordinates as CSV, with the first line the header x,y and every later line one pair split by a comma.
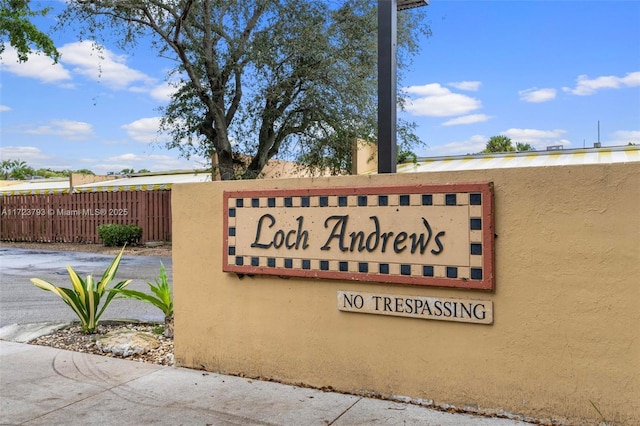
x,y
22,302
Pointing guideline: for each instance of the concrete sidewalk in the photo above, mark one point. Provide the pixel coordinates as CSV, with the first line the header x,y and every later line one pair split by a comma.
x,y
42,385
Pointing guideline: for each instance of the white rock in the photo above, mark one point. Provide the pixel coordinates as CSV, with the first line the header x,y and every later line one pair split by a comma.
x,y
128,342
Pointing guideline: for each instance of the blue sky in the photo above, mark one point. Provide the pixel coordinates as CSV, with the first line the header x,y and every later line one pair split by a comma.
x,y
540,72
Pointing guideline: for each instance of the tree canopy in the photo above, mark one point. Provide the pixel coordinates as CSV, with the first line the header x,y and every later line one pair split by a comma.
x,y
503,143
258,78
20,170
17,29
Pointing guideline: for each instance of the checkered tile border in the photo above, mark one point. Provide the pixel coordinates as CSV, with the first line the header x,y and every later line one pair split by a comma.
x,y
480,227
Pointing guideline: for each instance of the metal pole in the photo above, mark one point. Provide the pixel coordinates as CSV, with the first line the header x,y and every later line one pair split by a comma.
x,y
387,96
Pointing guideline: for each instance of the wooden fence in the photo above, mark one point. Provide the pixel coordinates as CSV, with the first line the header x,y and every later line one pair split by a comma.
x,y
74,218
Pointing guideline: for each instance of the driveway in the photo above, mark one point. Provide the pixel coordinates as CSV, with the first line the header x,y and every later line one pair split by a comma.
x,y
22,302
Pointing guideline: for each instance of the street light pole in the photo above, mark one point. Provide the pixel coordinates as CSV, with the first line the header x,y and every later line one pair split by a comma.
x,y
387,82
387,92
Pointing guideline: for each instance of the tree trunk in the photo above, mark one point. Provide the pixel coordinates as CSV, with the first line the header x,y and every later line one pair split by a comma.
x,y
225,165
168,327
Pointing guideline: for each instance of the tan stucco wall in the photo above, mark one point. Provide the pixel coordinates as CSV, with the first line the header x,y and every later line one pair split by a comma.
x,y
365,157
566,326
77,179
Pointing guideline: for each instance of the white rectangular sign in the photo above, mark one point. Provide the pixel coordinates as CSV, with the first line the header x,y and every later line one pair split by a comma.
x,y
434,308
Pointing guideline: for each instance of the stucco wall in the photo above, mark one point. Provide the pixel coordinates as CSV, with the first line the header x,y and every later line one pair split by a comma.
x,y
566,328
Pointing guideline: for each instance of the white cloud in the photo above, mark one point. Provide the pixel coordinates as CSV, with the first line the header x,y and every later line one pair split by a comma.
x,y
467,119
432,89
474,144
71,130
29,154
539,139
163,91
130,158
623,137
100,64
472,86
437,101
39,67
537,95
145,130
586,86
4,108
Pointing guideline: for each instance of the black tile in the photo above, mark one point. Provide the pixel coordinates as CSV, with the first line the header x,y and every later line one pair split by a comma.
x,y
476,224
271,262
255,261
305,202
239,260
239,202
476,273
288,263
451,199
452,272
232,212
383,200
344,266
232,231
476,248
427,271
255,202
232,251
427,199
342,201
271,202
363,267
324,201
404,200
475,199
306,264
324,265
362,200
288,202
405,269
384,268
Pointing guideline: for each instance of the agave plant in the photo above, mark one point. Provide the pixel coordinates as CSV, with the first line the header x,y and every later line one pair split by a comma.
x,y
160,299
86,295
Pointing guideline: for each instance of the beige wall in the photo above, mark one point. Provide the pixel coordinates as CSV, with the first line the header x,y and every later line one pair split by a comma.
x,y
365,157
77,179
566,326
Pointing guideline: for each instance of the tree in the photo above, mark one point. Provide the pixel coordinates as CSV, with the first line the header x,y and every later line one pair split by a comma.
x,y
5,169
82,171
503,143
17,29
20,170
260,77
499,144
127,171
524,147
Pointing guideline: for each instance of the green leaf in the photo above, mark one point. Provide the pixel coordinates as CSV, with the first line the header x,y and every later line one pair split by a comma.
x,y
161,300
85,297
78,284
108,275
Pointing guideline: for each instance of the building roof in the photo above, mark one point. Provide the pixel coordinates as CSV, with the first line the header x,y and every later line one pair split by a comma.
x,y
158,181
151,182
565,157
144,183
39,186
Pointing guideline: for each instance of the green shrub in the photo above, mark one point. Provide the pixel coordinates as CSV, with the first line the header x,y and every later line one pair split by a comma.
x,y
119,235
161,300
84,298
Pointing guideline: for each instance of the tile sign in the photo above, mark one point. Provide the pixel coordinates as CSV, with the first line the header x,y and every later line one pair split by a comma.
x,y
433,308
430,235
